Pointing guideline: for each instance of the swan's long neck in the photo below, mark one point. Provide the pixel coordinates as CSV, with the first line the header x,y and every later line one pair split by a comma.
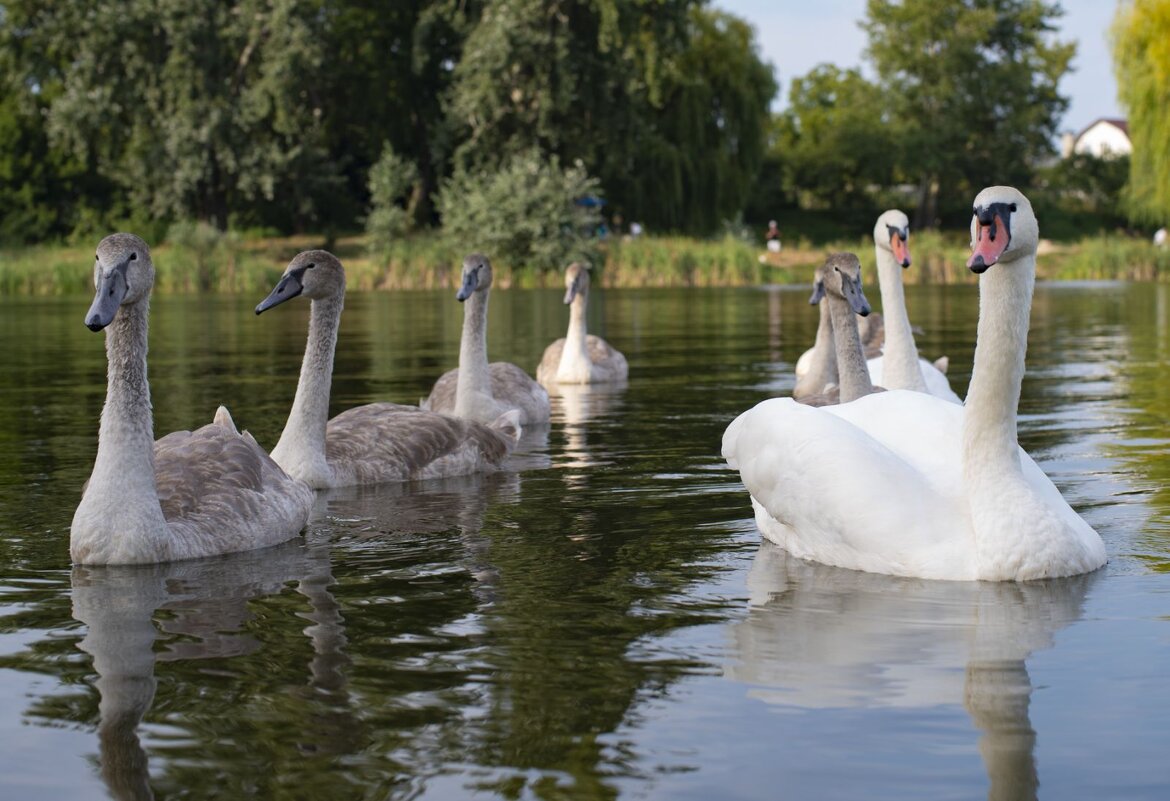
x,y
575,356
303,441
900,368
474,376
854,375
989,423
124,467
823,368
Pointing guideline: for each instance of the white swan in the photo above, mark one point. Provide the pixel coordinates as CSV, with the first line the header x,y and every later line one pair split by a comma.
x,y
838,288
580,358
475,389
191,494
377,442
899,366
920,486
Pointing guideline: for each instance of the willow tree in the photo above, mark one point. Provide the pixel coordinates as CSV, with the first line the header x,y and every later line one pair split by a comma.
x,y
972,85
1141,54
663,100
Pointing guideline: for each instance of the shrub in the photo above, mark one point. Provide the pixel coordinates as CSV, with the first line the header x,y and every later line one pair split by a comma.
x,y
525,215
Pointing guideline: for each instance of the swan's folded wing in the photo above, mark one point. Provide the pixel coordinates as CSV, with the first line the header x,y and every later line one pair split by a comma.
x,y
442,397
550,361
605,355
512,386
197,472
845,496
390,442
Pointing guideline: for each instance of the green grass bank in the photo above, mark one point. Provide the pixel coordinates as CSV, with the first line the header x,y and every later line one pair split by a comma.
x,y
233,263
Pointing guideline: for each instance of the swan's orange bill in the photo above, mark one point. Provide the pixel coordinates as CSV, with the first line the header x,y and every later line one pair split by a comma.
x,y
990,243
901,250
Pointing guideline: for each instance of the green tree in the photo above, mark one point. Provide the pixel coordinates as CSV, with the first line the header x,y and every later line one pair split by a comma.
x,y
1141,55
837,138
665,101
524,214
391,179
193,108
389,68
972,85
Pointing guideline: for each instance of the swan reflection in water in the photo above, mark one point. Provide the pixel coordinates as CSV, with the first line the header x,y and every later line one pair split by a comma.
x,y
574,408
819,637
200,608
206,602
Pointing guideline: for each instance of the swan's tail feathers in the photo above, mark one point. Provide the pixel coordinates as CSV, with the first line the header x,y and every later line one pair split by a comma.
x,y
508,424
424,404
224,418
942,363
731,442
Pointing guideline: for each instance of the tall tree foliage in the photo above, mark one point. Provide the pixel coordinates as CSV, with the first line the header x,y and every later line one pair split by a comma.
x,y
1141,54
836,136
664,101
193,107
387,70
974,87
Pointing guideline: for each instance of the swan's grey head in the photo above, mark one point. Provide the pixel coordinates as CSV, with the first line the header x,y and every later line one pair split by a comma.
x,y
122,274
477,276
315,274
576,280
892,233
843,279
1003,227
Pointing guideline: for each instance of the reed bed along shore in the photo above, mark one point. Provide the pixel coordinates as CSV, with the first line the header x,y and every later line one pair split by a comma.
x,y
235,264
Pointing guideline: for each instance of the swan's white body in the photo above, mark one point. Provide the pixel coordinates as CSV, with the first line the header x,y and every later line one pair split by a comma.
x,y
580,357
908,484
475,389
378,442
191,494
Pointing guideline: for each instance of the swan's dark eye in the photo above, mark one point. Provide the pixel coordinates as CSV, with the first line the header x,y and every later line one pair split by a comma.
x,y
1012,207
96,257
133,257
310,266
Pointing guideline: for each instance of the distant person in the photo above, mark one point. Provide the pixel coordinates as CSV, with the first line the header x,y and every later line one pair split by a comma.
x,y
772,237
1160,237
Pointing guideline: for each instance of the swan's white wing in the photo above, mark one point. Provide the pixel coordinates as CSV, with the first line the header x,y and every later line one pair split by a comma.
x,y
886,500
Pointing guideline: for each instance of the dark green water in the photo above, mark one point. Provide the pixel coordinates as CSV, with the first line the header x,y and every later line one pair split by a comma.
x,y
601,621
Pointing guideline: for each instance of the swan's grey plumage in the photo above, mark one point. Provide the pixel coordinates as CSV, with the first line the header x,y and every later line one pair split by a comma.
x,y
838,288
191,494
475,389
580,357
378,442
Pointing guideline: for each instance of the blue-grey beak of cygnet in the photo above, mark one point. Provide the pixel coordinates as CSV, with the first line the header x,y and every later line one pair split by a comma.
x,y
111,291
470,282
855,296
818,293
291,285
572,289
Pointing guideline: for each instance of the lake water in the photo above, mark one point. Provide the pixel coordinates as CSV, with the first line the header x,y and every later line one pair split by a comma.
x,y
599,621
